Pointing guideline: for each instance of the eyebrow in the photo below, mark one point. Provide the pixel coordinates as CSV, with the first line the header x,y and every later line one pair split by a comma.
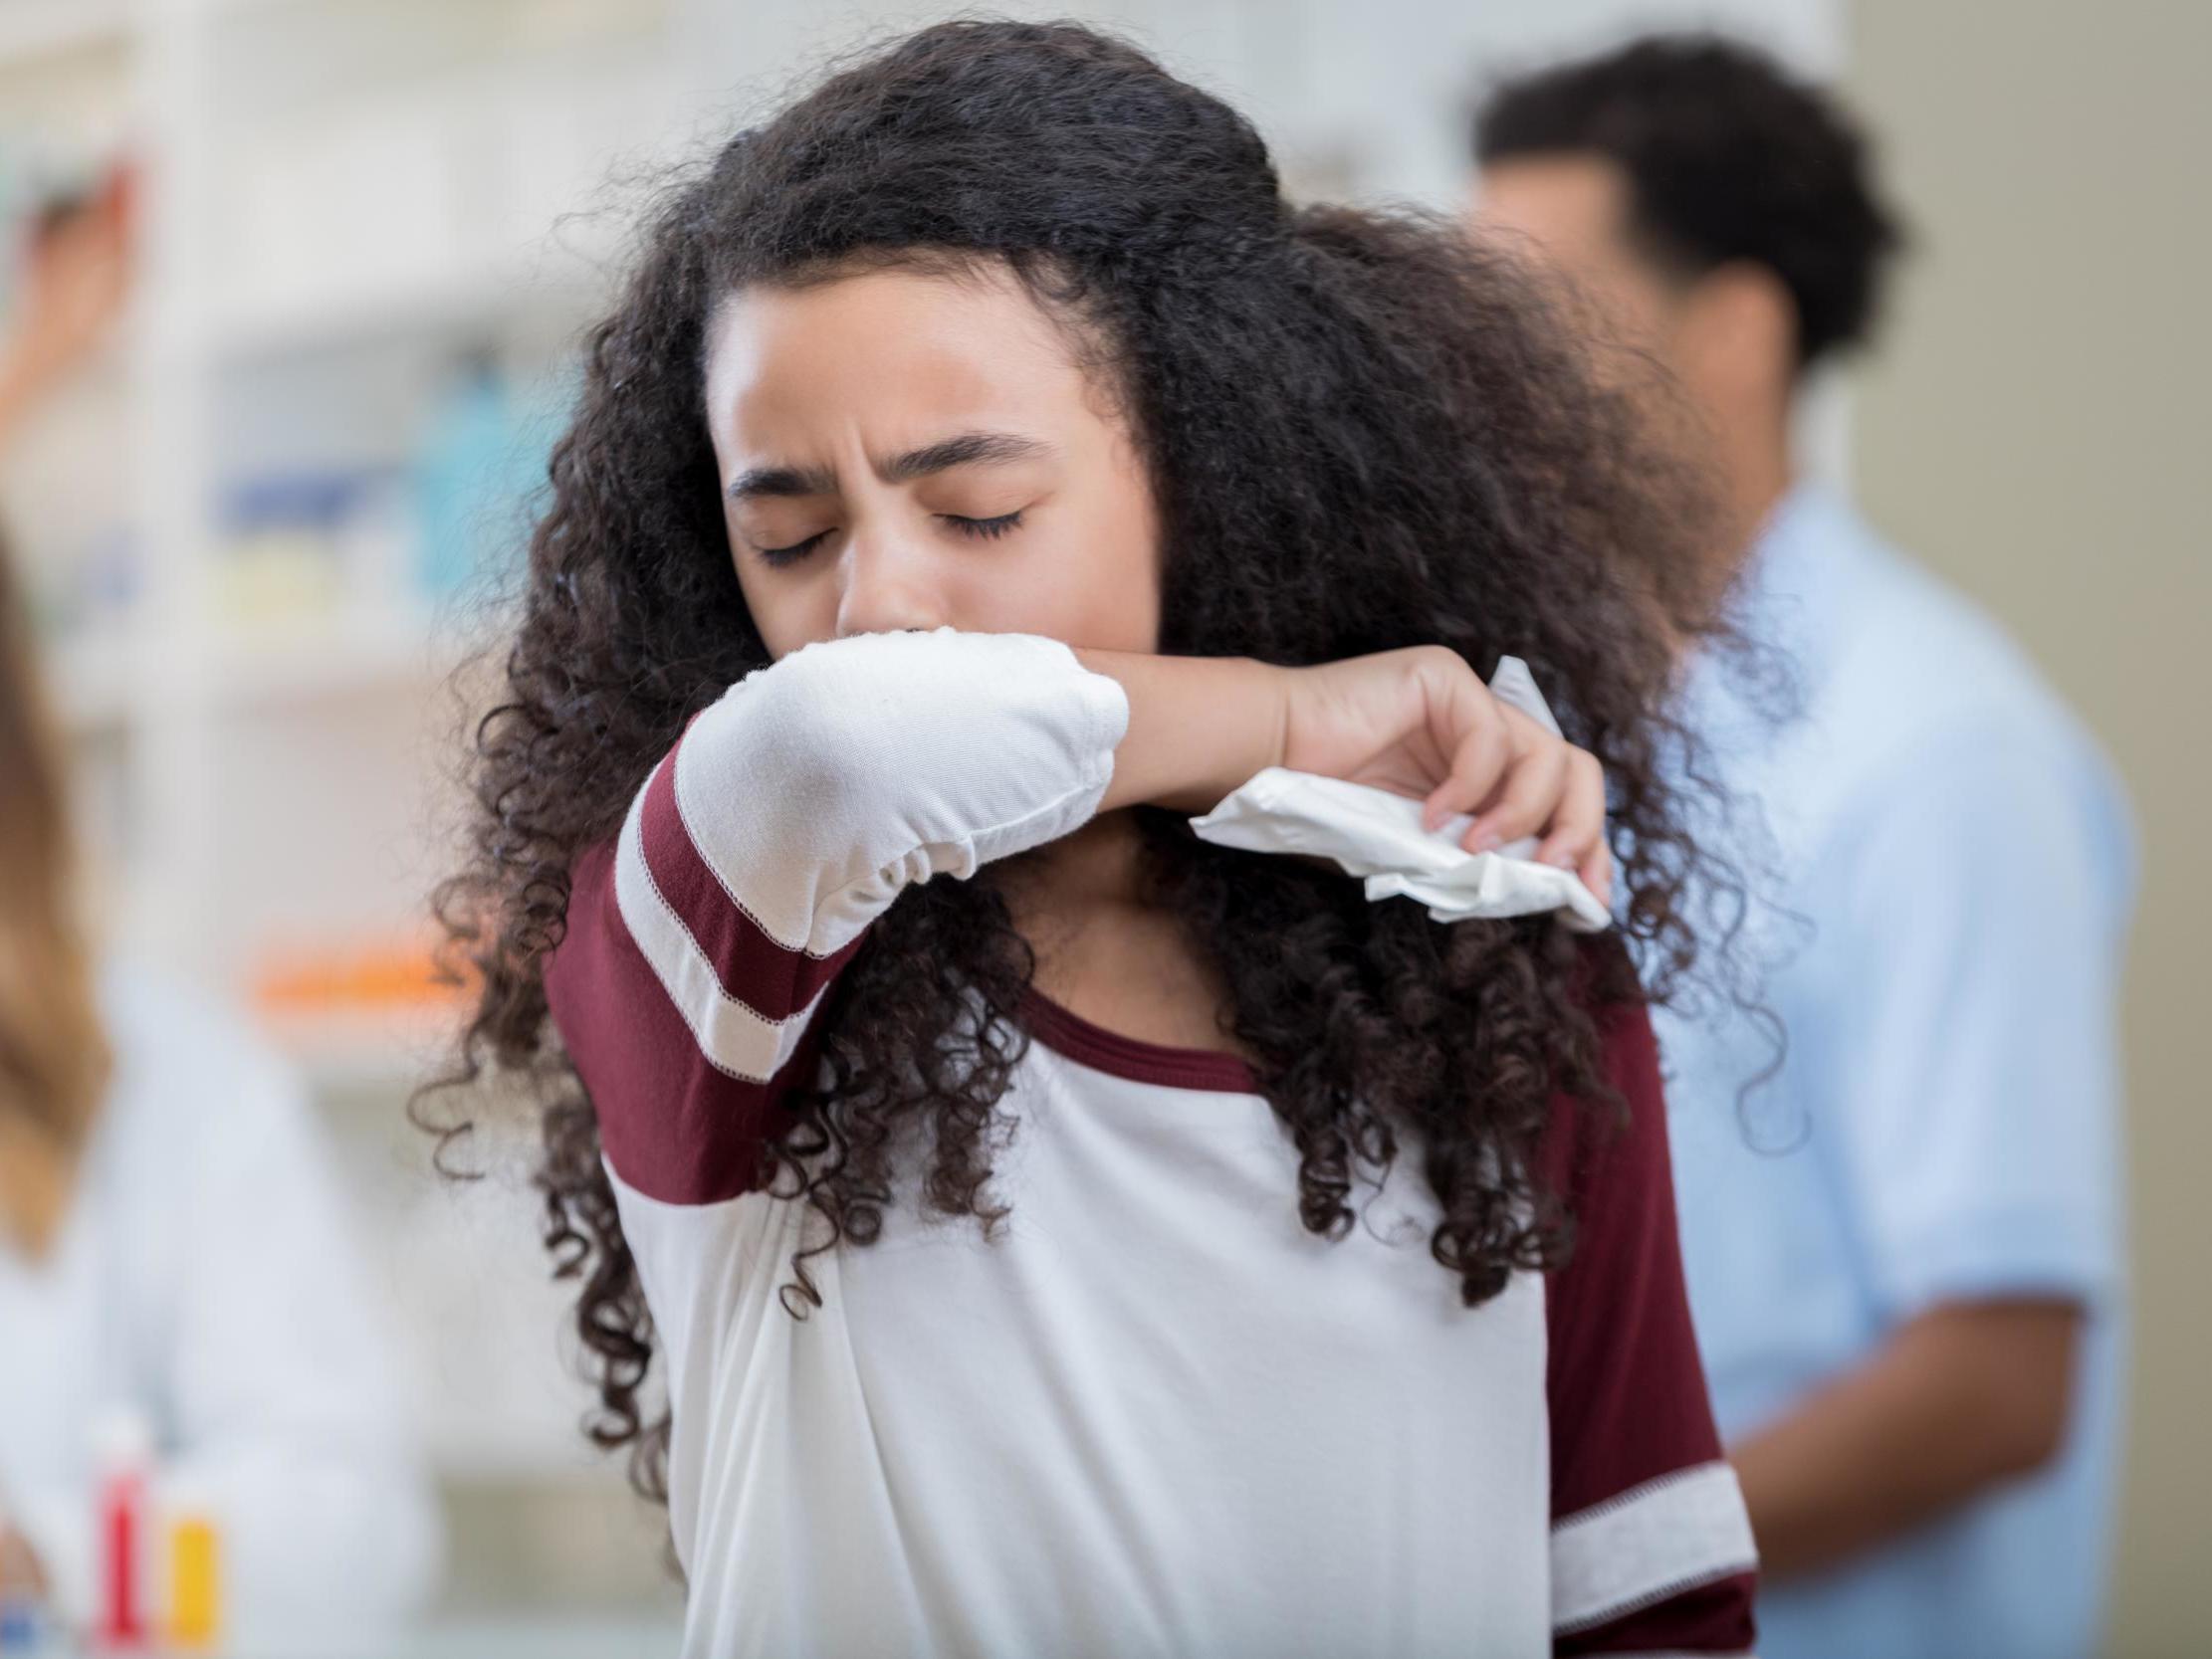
x,y
968,449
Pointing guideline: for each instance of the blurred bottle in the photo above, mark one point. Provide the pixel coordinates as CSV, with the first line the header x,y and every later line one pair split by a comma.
x,y
23,1625
124,1448
481,476
195,1571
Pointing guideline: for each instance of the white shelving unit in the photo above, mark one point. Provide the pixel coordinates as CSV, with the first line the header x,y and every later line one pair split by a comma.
x,y
450,135
274,782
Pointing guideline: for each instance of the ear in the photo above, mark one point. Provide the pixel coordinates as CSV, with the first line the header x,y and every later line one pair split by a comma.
x,y
1739,321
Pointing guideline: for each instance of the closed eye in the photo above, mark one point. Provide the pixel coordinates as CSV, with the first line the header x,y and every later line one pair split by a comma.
x,y
778,557
984,529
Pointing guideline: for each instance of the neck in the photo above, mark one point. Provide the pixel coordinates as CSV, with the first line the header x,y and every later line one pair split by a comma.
x,y
1098,868
1755,473
1105,949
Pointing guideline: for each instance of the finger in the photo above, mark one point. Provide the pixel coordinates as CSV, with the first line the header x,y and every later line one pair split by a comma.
x,y
1526,799
1479,747
1478,767
1578,823
1597,875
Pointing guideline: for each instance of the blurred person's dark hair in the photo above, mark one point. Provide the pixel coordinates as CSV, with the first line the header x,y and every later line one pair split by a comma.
x,y
1728,157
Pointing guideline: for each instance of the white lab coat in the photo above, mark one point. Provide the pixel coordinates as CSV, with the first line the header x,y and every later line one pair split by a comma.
x,y
206,1277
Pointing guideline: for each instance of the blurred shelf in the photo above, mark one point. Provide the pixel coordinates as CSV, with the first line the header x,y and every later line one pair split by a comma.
x,y
35,29
250,11
347,1053
565,1637
635,12
258,669
242,10
442,312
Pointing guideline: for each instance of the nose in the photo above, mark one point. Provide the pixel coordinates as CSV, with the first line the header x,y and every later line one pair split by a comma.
x,y
889,586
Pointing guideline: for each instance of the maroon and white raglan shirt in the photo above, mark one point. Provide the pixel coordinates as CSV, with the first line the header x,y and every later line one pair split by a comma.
x,y
1154,1414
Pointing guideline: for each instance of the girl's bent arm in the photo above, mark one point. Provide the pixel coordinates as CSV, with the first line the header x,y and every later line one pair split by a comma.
x,y
797,807
790,815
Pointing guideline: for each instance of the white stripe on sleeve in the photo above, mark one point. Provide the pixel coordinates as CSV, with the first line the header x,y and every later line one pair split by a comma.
x,y
734,1038
1647,1545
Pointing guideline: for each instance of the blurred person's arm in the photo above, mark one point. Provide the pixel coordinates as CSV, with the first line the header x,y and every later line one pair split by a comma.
x,y
1971,916
1961,1397
74,286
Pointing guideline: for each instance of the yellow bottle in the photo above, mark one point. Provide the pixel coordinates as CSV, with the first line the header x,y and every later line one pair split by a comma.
x,y
195,1581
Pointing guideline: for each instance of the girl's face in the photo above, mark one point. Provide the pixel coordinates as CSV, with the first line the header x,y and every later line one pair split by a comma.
x,y
909,450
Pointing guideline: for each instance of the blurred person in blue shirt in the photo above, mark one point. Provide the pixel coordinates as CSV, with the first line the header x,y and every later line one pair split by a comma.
x,y
1904,1245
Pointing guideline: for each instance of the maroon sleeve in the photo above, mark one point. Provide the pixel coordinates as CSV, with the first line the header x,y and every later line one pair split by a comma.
x,y
676,1124
1650,1547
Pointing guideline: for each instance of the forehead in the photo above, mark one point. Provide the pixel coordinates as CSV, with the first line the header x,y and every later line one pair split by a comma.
x,y
906,350
1572,208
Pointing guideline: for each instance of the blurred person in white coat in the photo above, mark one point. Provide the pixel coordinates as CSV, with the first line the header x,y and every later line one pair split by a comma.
x,y
172,1241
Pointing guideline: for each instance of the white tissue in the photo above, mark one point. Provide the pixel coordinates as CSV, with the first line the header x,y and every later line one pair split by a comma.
x,y
1375,834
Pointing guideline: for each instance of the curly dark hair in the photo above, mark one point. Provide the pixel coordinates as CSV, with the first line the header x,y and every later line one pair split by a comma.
x,y
1363,433
1728,157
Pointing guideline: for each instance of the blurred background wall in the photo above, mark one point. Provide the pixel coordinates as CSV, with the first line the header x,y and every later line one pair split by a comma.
x,y
2035,428
372,230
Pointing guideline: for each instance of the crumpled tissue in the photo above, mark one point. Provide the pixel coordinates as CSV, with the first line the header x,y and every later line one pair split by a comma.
x,y
1375,834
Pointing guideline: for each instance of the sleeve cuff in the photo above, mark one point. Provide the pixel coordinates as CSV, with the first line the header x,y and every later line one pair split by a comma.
x,y
2002,1254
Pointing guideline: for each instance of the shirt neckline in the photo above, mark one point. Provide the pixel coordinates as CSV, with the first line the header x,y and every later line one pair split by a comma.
x,y
1075,1038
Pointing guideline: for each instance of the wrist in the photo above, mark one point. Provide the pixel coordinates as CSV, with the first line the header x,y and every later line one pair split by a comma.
x,y
1277,685
1244,704
1198,727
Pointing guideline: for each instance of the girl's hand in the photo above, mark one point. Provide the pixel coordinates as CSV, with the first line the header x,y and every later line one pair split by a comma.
x,y
1419,723
1415,722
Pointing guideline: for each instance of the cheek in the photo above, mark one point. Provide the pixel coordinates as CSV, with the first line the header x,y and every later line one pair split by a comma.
x,y
1101,587
1118,559
1081,588
1127,606
786,614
